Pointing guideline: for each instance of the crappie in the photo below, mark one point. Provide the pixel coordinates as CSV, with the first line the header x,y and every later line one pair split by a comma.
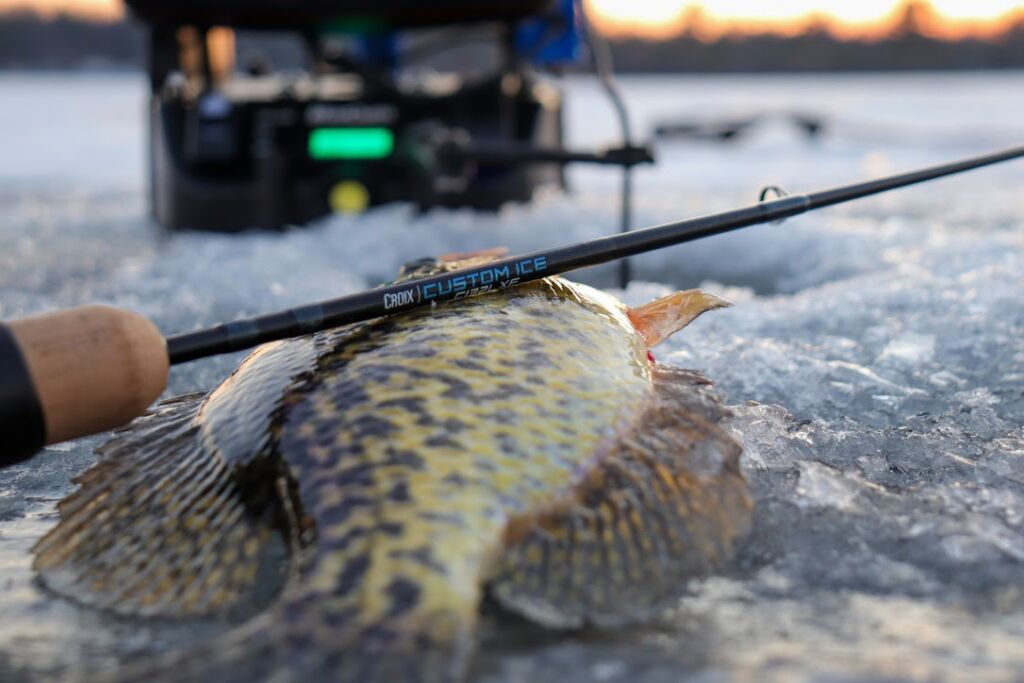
x,y
522,442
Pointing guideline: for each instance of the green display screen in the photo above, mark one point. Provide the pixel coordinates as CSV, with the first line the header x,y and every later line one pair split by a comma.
x,y
351,143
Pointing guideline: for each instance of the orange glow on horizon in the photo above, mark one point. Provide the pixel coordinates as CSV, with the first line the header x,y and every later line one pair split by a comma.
x,y
93,9
844,18
710,19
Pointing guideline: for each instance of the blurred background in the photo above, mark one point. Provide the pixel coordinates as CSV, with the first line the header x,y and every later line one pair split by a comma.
x,y
649,36
873,359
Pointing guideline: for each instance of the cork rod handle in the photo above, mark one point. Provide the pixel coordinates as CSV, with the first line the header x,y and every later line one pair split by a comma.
x,y
75,372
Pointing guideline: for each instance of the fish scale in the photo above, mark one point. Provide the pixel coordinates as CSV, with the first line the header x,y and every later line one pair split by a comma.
x,y
521,442
402,365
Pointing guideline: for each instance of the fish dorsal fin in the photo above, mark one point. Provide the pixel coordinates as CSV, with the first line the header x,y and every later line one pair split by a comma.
x,y
427,266
466,259
161,527
660,319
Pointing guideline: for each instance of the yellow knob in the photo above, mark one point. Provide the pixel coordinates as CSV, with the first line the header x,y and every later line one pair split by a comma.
x,y
349,196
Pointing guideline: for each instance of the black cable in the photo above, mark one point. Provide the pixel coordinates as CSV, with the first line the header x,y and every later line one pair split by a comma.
x,y
601,55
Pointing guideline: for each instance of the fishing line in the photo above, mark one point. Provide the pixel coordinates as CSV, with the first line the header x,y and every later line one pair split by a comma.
x,y
601,56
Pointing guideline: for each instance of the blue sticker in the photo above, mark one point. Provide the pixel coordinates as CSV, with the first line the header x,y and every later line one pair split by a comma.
x,y
483,280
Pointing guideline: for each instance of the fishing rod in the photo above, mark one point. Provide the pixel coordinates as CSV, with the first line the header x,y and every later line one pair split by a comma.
x,y
85,370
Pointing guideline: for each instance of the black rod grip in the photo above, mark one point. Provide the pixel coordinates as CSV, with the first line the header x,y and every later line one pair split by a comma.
x,y
22,426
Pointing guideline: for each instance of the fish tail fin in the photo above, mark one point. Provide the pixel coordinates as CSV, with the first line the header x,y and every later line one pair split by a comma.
x,y
372,608
660,319
361,608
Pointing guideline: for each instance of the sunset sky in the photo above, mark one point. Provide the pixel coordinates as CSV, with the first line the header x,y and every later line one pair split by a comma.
x,y
663,17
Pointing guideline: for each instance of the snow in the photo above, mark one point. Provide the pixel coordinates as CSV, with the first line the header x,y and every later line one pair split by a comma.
x,y
873,360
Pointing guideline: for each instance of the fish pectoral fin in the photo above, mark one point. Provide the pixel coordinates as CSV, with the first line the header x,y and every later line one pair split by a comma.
x,y
158,526
666,504
660,319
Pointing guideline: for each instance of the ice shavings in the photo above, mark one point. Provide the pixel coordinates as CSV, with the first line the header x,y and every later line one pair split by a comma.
x,y
873,360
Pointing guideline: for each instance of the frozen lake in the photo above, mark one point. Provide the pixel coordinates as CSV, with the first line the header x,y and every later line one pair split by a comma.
x,y
874,359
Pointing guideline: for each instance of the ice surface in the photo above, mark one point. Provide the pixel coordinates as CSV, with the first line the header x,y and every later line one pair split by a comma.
x,y
874,361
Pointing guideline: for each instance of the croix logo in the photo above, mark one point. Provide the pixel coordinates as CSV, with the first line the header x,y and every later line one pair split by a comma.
x,y
402,298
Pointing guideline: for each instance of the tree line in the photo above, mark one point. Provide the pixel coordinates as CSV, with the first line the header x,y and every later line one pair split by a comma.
x,y
29,41
818,51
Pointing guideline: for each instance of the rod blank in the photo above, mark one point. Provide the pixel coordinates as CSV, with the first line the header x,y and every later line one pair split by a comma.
x,y
85,370
506,272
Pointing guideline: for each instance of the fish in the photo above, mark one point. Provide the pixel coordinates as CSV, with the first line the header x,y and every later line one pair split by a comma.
x,y
384,477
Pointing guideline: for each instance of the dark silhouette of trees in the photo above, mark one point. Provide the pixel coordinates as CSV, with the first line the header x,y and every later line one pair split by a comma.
x,y
818,50
28,41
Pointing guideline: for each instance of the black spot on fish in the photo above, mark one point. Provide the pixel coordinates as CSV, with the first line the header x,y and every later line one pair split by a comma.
x,y
404,458
455,479
498,324
417,351
404,595
378,636
425,419
372,426
467,364
340,513
358,475
507,442
454,425
346,394
352,450
382,373
384,326
506,390
577,335
342,543
297,641
443,517
298,608
440,441
432,338
394,529
352,575
530,345
414,405
399,493
456,387
505,417
577,353
337,618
